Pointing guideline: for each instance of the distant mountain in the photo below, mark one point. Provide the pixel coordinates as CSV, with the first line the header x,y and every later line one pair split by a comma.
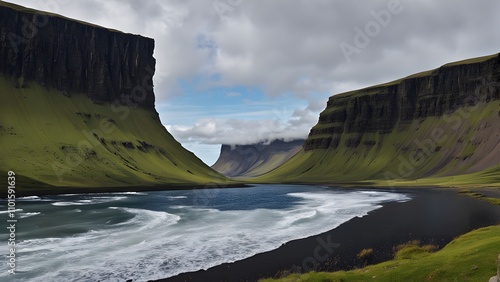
x,y
439,127
256,159
77,107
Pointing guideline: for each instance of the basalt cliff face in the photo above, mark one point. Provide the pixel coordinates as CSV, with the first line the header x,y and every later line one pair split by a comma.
x,y
435,127
72,57
394,106
256,159
77,108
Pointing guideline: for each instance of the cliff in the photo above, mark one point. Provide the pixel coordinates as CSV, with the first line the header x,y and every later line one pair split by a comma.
x,y
77,108
256,159
381,108
442,124
74,57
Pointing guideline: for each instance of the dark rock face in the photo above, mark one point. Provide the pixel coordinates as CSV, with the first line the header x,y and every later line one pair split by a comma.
x,y
384,108
106,65
255,159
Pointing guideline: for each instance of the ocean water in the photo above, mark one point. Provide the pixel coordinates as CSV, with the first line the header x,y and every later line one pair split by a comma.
x,y
152,235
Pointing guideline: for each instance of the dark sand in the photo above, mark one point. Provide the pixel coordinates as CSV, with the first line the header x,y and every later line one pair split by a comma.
x,y
433,216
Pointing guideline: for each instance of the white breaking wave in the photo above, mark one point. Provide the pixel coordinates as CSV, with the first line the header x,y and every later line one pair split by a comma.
x,y
10,211
177,197
159,244
132,193
28,214
29,198
91,201
146,219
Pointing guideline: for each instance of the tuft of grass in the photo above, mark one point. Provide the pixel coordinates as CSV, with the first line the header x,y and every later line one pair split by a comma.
x,y
412,249
470,257
365,254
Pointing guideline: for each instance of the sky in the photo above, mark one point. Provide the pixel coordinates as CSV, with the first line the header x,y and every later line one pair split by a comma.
x,y
242,72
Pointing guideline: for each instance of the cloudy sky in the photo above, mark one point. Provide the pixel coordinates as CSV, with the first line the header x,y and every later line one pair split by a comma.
x,y
243,71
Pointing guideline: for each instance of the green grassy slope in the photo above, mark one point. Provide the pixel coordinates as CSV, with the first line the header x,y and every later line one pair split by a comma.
x,y
258,168
48,138
411,157
268,165
461,148
471,257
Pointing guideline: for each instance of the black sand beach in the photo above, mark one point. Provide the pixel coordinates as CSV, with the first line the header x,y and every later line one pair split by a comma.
x,y
433,216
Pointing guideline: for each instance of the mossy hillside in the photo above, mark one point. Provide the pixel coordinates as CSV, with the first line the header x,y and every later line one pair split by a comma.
x,y
470,257
73,142
486,178
445,150
263,167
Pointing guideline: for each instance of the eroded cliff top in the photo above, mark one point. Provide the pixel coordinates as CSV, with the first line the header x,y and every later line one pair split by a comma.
x,y
476,60
72,56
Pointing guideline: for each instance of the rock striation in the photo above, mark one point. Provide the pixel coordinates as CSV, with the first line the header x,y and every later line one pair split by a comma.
x,y
72,56
439,127
384,107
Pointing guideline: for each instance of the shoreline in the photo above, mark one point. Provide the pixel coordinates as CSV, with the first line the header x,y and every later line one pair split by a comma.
x,y
433,216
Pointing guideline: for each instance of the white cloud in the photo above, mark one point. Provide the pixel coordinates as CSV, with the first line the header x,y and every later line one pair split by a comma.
x,y
235,131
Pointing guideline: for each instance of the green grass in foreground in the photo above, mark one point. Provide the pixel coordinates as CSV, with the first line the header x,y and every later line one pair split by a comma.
x,y
470,257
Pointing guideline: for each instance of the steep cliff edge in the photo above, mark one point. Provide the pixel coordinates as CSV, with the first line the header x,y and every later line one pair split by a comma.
x,y
435,127
77,107
75,58
256,159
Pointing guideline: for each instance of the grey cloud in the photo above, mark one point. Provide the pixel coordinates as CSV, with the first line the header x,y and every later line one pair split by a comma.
x,y
293,47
